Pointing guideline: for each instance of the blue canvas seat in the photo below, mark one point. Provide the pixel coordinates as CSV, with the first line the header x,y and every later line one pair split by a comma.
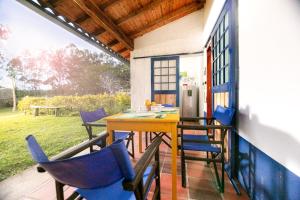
x,y
90,120
206,143
195,146
105,174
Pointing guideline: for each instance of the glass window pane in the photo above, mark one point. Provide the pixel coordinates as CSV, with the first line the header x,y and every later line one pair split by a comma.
x,y
165,63
156,87
218,66
156,79
172,78
164,71
223,26
226,56
226,74
226,20
221,76
218,79
221,60
172,63
221,44
164,79
164,86
156,71
226,38
172,86
156,64
172,70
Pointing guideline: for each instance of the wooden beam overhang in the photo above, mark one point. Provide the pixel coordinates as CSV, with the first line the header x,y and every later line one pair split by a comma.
x,y
168,18
126,18
91,9
122,50
113,43
84,17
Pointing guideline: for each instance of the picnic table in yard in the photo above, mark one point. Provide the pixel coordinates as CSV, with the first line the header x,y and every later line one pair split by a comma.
x,y
55,109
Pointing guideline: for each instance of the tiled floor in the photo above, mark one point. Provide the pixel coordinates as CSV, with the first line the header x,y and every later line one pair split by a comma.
x,y
201,184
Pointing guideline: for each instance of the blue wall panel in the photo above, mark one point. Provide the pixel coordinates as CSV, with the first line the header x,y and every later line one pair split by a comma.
x,y
262,177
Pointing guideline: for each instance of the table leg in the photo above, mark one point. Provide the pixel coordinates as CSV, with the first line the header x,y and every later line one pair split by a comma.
x,y
174,161
110,135
140,142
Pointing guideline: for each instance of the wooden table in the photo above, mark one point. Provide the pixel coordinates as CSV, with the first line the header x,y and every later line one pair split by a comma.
x,y
36,109
167,124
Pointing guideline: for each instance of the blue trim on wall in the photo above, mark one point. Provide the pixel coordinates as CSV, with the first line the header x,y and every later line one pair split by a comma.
x,y
229,7
177,78
264,178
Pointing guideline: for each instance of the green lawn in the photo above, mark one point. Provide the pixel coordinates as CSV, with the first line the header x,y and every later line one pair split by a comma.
x,y
53,133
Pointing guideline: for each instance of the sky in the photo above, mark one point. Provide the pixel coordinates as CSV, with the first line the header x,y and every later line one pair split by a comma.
x,y
29,30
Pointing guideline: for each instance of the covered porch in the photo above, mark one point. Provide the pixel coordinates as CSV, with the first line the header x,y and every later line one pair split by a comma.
x,y
200,49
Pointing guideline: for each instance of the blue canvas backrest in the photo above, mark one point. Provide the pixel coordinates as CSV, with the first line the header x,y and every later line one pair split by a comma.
x,y
224,115
168,105
93,116
95,170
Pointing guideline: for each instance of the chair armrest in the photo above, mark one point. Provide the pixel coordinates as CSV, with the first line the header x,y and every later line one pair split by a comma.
x,y
193,119
94,124
76,149
142,165
202,127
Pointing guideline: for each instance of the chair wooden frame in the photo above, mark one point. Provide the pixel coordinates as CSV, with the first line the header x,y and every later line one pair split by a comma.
x,y
136,185
215,157
89,128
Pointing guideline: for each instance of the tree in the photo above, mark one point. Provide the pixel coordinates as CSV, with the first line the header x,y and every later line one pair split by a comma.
x,y
13,69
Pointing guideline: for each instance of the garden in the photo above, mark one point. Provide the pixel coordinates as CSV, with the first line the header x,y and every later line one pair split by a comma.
x,y
67,77
55,134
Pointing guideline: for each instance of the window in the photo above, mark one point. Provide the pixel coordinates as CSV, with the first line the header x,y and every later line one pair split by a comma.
x,y
164,75
220,52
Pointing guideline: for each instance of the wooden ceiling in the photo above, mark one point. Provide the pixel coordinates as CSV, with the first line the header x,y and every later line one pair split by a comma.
x,y
116,23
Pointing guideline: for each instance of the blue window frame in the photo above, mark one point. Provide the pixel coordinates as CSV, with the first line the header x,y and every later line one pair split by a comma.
x,y
223,40
165,76
220,52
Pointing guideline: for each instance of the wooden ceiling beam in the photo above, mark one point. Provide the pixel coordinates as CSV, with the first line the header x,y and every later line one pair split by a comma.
x,y
85,17
128,17
122,50
98,31
91,9
109,3
112,43
139,12
167,18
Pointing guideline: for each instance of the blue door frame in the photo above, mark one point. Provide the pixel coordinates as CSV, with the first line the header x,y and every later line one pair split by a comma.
x,y
153,92
231,86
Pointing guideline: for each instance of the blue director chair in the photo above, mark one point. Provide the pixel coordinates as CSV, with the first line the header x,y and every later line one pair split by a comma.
x,y
206,143
90,120
106,174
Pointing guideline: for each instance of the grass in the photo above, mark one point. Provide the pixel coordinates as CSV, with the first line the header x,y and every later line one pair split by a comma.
x,y
53,133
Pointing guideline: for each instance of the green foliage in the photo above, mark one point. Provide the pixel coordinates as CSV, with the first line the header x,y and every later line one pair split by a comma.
x,y
55,134
112,103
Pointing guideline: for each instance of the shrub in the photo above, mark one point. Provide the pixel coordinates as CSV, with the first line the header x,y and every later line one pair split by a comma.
x,y
112,103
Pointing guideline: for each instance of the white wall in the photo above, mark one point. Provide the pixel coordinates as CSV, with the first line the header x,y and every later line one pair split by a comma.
x,y
269,42
181,36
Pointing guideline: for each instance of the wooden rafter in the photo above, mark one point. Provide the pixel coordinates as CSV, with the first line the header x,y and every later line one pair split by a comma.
x,y
128,17
85,17
140,11
109,4
98,31
91,9
113,43
122,50
167,18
